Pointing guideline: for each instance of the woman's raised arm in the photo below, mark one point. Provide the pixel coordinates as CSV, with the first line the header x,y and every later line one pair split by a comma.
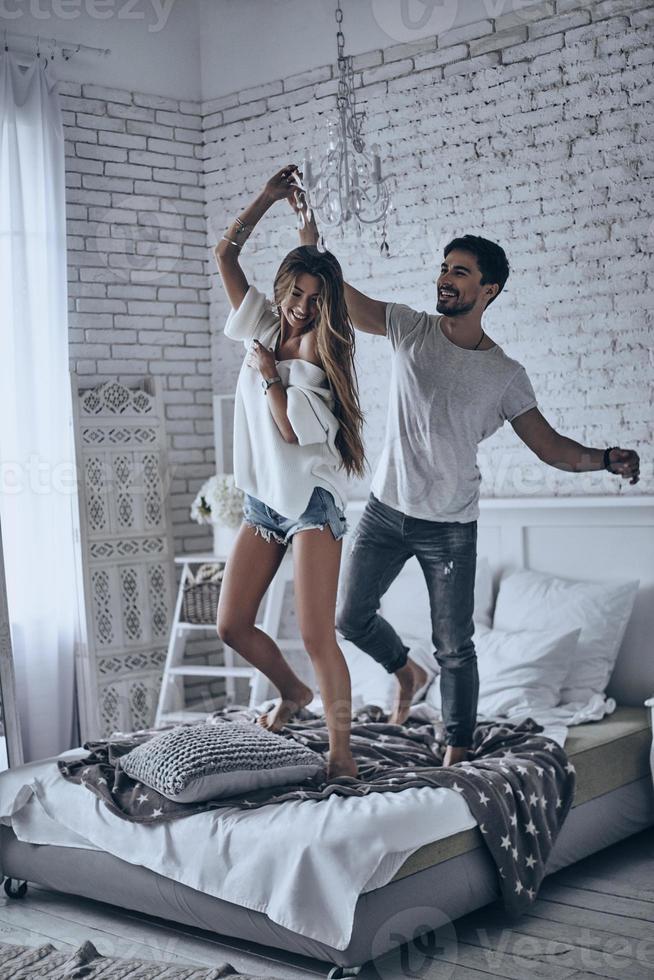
x,y
228,249
367,314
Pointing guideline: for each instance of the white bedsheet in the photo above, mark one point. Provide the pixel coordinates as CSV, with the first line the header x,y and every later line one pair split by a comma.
x,y
302,862
371,684
555,721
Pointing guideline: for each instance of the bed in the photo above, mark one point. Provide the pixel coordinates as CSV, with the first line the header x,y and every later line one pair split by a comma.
x,y
430,885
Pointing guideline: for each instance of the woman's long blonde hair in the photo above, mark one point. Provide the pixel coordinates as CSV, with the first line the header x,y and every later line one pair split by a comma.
x,y
335,344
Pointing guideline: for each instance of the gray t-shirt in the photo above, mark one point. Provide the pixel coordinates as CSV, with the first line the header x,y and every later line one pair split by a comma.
x,y
443,401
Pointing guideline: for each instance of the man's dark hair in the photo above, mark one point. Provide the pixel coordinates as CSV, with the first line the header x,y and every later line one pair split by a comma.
x,y
491,259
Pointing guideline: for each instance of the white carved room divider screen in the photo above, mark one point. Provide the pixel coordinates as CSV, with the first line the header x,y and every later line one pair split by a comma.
x,y
126,553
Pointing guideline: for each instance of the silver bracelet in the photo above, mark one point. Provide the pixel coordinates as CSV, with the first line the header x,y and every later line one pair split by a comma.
x,y
226,239
242,231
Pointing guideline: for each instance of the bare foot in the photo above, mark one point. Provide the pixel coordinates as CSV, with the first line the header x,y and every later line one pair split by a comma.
x,y
454,754
288,705
410,678
343,765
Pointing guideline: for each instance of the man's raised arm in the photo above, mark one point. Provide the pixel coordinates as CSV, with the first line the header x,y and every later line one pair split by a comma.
x,y
366,314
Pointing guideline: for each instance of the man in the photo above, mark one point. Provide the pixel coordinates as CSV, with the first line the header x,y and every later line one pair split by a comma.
x,y
451,387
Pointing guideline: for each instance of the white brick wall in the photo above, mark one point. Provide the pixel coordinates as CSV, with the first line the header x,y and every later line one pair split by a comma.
x,y
533,130
137,273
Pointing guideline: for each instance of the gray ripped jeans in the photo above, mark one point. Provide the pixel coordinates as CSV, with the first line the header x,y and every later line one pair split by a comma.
x,y
383,541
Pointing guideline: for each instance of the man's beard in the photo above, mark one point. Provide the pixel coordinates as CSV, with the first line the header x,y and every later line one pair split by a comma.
x,y
460,310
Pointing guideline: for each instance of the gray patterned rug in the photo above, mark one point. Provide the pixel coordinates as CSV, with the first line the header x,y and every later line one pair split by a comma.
x,y
85,963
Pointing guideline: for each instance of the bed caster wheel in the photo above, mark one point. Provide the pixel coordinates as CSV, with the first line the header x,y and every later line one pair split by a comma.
x,y
342,972
14,888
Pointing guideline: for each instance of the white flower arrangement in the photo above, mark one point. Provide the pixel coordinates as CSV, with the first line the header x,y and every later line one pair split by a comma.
x,y
218,502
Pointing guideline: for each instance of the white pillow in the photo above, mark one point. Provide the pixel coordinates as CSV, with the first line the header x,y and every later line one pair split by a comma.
x,y
519,672
535,600
483,611
406,604
371,683
406,607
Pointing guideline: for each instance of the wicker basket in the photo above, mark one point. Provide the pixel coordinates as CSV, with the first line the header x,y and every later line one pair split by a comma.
x,y
201,592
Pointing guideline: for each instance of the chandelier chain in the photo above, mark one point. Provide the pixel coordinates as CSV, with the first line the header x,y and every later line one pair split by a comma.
x,y
346,99
349,182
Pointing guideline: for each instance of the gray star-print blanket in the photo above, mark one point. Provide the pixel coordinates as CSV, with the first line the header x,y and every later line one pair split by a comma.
x,y
518,784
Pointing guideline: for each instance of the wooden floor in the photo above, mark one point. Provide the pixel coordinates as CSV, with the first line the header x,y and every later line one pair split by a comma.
x,y
593,920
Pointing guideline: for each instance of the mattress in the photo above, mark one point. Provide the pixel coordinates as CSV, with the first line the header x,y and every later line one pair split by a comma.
x,y
606,754
309,881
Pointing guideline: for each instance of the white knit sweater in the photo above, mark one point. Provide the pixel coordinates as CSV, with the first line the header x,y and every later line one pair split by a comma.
x,y
281,474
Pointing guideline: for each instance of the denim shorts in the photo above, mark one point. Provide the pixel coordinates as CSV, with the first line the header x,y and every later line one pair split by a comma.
x,y
321,512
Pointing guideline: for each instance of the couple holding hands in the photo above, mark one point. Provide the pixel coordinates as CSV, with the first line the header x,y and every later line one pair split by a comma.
x,y
298,438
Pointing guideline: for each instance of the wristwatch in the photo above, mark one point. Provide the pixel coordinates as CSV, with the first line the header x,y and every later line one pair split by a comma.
x,y
607,458
267,382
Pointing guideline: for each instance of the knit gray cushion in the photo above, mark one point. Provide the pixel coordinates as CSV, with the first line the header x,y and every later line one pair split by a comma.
x,y
192,763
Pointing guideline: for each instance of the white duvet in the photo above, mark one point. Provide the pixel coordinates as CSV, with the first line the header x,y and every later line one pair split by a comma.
x,y
304,863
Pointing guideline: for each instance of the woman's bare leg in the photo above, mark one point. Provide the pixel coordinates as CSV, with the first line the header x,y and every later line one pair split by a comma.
x,y
317,558
250,569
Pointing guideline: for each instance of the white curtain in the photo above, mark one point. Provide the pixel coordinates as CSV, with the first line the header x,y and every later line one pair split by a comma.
x,y
37,475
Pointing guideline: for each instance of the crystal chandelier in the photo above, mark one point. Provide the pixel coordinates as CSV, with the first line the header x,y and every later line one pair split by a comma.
x,y
347,183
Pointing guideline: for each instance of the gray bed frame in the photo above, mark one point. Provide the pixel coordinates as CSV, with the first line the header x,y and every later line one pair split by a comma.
x,y
427,900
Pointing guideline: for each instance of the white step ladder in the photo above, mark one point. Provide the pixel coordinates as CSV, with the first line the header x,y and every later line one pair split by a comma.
x,y
171,708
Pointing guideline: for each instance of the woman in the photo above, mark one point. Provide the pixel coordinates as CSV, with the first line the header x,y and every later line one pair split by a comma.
x,y
297,438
